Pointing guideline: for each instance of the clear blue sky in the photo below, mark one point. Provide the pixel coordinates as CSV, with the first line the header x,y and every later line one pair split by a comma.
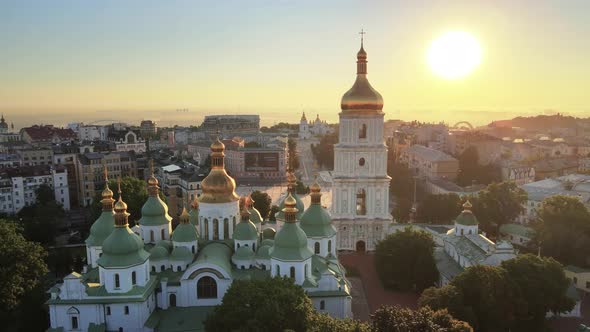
x,y
278,57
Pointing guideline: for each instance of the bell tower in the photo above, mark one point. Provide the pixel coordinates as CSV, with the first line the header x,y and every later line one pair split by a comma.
x,y
360,192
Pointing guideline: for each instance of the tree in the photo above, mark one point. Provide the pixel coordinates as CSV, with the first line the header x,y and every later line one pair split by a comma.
x,y
326,323
273,304
563,230
402,187
134,194
470,171
293,157
44,194
262,202
405,260
21,266
273,211
485,297
439,209
323,152
301,189
40,221
498,204
543,286
397,319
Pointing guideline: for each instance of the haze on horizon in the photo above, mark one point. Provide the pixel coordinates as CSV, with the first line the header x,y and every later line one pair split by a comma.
x,y
63,61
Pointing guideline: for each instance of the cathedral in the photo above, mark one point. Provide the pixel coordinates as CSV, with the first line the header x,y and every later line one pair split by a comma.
x,y
360,190
313,128
151,277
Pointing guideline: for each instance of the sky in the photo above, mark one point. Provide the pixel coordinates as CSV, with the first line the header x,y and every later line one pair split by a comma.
x,y
65,61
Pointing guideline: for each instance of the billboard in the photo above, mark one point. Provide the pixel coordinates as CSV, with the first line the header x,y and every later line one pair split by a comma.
x,y
261,161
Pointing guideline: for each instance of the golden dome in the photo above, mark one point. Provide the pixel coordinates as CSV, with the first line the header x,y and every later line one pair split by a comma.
x,y
120,206
315,187
107,192
218,186
290,201
467,205
195,204
184,216
362,96
152,181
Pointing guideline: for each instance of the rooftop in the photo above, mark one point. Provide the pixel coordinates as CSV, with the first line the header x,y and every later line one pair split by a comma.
x,y
428,153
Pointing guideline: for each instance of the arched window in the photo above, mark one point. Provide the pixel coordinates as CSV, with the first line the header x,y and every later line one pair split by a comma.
x,y
254,247
361,208
133,278
305,275
206,222
278,270
233,223
178,268
329,246
238,246
152,236
225,229
215,229
162,268
126,310
292,272
206,288
163,235
363,131
316,248
117,281
362,162
193,249
74,315
322,305
153,269
172,300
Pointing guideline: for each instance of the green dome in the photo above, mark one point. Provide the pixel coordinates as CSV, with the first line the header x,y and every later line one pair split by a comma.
x,y
181,254
263,252
267,242
300,207
122,248
245,231
291,244
269,233
316,222
101,228
255,216
243,253
165,244
185,233
158,253
194,217
466,218
154,212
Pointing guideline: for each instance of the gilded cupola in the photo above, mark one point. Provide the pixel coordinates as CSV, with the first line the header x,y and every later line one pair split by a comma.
x,y
361,97
218,186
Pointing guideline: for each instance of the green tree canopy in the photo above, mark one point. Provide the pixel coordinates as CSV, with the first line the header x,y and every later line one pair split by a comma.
x,y
402,187
325,323
44,194
273,304
439,209
262,202
484,296
324,150
40,221
397,319
543,286
563,230
405,260
301,189
498,204
21,266
470,170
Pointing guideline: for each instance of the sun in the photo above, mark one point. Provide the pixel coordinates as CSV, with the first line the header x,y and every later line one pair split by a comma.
x,y
454,55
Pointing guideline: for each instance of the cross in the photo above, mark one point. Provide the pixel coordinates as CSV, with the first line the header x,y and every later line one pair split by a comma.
x,y
362,33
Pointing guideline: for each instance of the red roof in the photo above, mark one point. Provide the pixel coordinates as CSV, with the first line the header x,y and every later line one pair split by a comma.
x,y
45,133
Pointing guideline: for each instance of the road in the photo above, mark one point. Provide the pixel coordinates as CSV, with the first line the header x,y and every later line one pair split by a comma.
x,y
306,160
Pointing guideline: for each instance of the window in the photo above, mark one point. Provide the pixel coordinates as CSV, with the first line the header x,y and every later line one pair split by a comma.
x,y
172,301
153,269
117,281
362,162
316,248
133,278
278,270
292,272
322,305
206,228
361,209
363,131
225,228
162,235
193,249
329,246
206,288
162,268
74,315
215,229
108,311
152,236
178,268
575,281
126,310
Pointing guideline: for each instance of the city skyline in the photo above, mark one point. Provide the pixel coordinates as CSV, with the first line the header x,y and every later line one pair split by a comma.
x,y
125,61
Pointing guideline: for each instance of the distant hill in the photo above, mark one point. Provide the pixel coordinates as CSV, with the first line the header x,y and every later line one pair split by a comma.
x,y
543,122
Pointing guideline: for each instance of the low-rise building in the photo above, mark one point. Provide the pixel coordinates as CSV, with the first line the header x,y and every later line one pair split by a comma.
x,y
18,186
36,156
554,167
127,140
517,233
517,172
231,124
430,163
46,135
